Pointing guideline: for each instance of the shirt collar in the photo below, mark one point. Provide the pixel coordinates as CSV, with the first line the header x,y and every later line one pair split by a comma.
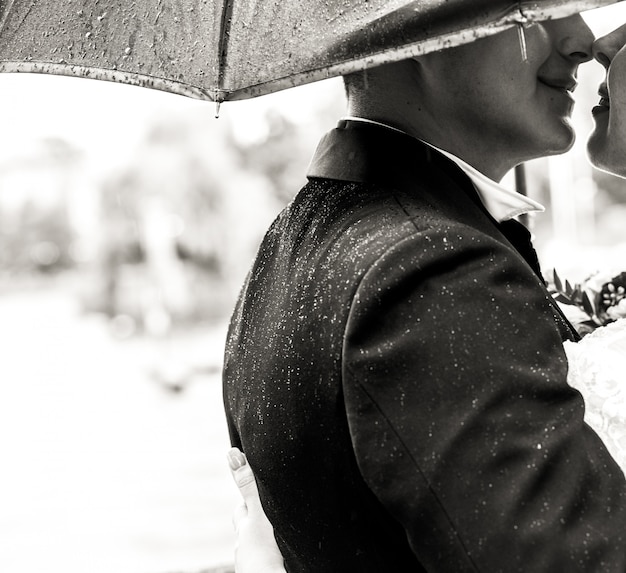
x,y
501,203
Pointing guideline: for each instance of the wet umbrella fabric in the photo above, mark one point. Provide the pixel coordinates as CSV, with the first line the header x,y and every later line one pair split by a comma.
x,y
235,49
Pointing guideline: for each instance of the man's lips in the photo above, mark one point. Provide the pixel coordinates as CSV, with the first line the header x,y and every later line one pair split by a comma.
x,y
567,84
563,86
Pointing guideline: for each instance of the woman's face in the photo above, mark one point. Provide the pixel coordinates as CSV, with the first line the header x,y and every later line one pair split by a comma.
x,y
607,143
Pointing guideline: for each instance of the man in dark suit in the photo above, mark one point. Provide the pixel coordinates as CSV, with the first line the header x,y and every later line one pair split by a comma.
x,y
394,367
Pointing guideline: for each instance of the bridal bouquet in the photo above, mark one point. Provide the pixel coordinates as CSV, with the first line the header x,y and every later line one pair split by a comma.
x,y
600,298
597,364
597,369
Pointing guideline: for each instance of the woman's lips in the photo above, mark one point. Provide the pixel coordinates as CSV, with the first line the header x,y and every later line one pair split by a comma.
x,y
602,107
604,104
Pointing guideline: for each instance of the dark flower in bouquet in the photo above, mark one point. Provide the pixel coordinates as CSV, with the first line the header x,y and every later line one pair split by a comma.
x,y
600,298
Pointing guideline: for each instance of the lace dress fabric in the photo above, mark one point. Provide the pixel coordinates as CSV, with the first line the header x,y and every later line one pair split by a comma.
x,y
597,369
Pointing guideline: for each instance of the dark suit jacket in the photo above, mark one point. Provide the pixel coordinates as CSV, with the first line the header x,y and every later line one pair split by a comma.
x,y
395,374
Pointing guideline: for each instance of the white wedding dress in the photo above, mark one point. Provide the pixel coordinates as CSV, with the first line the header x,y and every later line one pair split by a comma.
x,y
597,369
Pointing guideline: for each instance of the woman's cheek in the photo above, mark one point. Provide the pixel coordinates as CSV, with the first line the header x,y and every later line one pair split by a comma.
x,y
617,80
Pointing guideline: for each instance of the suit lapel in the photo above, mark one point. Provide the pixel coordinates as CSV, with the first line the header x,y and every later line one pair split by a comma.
x,y
519,236
375,155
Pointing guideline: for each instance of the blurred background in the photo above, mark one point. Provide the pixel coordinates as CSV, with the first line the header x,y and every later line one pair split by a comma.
x,y
128,219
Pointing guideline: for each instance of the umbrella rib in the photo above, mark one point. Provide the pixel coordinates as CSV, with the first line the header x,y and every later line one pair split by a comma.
x,y
222,50
5,16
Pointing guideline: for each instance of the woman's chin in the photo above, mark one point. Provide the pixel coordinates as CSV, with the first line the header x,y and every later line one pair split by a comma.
x,y
607,151
597,144
602,158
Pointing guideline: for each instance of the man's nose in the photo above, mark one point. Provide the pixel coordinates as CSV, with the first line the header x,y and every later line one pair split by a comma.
x,y
605,48
576,38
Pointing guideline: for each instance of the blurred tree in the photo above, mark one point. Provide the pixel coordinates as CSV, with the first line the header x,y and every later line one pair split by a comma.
x,y
36,186
281,156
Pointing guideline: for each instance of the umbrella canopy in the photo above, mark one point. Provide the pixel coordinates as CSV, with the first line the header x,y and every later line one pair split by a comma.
x,y
234,49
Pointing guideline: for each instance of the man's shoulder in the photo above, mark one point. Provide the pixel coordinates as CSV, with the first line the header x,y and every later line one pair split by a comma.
x,y
349,225
327,202
330,211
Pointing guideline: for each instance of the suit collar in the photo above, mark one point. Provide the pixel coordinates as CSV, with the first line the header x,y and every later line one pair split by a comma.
x,y
361,152
372,148
502,203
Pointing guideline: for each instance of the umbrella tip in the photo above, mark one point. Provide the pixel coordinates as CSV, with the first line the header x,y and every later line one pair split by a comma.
x,y
218,98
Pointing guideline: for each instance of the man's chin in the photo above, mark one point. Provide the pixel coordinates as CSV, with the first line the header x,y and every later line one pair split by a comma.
x,y
561,141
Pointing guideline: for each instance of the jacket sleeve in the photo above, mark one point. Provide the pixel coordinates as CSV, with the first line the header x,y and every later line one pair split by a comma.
x,y
462,420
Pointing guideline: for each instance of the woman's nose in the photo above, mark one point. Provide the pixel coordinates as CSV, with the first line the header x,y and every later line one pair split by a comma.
x,y
605,48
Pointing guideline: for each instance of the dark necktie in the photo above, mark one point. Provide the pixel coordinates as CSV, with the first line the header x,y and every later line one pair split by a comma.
x,y
519,236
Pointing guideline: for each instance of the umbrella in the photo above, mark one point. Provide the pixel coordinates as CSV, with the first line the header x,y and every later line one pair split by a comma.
x,y
222,50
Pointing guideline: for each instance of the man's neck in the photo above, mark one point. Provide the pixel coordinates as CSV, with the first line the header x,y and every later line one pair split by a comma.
x,y
501,202
489,163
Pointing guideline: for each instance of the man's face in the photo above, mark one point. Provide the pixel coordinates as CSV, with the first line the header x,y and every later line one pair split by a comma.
x,y
485,92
